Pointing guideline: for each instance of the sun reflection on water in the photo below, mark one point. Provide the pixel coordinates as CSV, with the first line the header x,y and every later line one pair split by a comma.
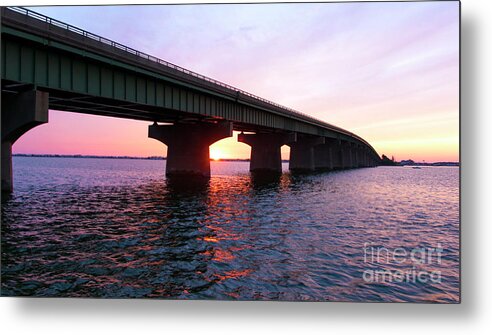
x,y
80,231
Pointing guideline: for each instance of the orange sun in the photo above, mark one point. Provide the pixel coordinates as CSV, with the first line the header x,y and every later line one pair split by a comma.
x,y
216,154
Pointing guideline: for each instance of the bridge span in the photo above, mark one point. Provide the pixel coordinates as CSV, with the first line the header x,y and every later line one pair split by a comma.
x,y
48,64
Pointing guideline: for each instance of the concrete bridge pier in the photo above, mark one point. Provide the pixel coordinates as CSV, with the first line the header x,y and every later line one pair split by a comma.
x,y
325,155
358,156
20,113
302,153
337,155
354,150
347,155
367,159
359,161
363,157
188,152
265,150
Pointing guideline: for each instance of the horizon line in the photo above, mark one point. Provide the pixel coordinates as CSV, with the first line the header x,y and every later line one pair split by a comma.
x,y
165,157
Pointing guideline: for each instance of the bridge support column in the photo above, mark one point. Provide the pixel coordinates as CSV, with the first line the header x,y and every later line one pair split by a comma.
x,y
369,160
188,152
361,156
20,113
356,161
325,155
337,155
302,153
362,159
353,150
366,158
265,150
347,155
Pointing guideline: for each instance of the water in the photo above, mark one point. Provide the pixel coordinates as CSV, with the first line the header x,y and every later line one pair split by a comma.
x,y
117,228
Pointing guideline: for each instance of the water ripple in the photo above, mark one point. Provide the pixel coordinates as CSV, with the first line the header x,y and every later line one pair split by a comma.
x,y
117,228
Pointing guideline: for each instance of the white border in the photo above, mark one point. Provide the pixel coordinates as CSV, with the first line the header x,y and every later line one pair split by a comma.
x,y
88,316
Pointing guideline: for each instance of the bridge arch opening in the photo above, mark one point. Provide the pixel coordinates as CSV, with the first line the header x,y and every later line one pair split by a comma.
x,y
285,154
229,149
69,133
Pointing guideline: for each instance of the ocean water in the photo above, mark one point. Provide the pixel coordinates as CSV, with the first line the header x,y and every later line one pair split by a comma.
x,y
116,228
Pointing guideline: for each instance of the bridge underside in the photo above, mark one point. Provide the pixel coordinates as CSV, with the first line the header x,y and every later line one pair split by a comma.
x,y
187,137
101,106
48,66
87,76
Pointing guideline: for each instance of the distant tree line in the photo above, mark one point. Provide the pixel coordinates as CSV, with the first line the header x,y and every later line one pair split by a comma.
x,y
388,162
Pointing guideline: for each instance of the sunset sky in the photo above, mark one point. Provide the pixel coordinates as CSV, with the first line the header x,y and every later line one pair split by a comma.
x,y
388,72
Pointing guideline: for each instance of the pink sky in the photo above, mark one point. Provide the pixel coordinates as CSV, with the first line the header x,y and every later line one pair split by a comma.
x,y
388,72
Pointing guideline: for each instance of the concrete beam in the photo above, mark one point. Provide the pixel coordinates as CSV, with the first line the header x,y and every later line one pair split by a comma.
x,y
20,113
302,153
265,150
188,152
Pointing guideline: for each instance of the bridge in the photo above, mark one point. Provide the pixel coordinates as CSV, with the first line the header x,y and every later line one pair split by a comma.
x,y
48,64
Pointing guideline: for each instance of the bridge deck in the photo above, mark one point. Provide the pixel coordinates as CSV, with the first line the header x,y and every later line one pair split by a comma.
x,y
88,73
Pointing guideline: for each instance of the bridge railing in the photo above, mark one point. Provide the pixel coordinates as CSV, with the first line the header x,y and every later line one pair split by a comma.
x,y
146,56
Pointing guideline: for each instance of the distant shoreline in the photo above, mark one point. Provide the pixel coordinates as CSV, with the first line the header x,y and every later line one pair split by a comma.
x,y
402,163
118,157
88,156
410,162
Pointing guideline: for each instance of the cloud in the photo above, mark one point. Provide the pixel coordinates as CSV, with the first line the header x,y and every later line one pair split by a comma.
x,y
363,66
